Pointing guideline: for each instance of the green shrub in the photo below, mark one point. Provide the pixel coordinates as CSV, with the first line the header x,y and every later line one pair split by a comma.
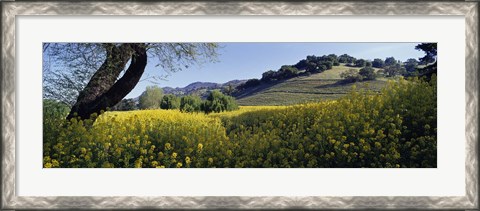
x,y
170,102
190,103
218,102
55,109
351,76
368,73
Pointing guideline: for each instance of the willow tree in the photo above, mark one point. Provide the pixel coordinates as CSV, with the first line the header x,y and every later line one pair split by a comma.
x,y
91,77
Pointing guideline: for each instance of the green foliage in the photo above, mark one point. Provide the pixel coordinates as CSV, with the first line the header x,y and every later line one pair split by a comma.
x,y
170,102
346,59
249,83
360,63
411,67
318,64
215,102
378,63
334,59
268,76
368,73
286,72
395,128
368,63
394,70
55,109
190,103
302,64
390,61
54,114
218,102
151,98
351,75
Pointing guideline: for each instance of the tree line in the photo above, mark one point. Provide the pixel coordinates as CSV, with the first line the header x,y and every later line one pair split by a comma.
x,y
425,66
390,67
154,98
310,65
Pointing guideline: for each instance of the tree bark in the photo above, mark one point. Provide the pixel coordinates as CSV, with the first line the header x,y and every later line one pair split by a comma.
x,y
104,90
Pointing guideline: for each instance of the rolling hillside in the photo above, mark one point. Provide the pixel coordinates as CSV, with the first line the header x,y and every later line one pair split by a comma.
x,y
316,87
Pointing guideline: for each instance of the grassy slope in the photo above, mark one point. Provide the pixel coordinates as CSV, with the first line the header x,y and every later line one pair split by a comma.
x,y
313,88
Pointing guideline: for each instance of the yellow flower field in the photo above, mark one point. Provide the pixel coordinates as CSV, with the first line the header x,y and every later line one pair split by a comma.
x,y
396,128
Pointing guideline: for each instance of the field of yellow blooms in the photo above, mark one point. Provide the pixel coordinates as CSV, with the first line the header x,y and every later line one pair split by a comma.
x,y
396,128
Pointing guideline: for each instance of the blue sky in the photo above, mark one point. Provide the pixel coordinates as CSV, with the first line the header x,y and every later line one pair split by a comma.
x,y
250,60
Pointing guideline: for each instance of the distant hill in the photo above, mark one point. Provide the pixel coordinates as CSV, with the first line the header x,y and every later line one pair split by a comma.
x,y
309,88
200,88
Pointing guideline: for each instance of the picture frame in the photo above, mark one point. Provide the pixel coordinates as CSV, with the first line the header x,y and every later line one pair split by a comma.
x,y
12,10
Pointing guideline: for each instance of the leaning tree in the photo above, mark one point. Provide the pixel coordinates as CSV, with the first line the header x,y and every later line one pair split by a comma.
x,y
92,77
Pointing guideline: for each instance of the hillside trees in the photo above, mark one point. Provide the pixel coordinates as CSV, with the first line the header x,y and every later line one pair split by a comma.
x,y
94,76
334,59
351,75
346,59
368,63
254,82
311,64
317,64
390,61
268,76
301,65
360,63
378,63
394,70
368,73
411,67
286,72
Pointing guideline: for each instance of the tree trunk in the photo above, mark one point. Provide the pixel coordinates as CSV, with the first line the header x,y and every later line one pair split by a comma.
x,y
104,90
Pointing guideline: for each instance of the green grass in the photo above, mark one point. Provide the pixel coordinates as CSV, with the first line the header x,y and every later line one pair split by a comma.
x,y
313,88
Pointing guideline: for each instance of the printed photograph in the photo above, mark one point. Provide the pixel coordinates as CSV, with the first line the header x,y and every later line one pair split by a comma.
x,y
240,105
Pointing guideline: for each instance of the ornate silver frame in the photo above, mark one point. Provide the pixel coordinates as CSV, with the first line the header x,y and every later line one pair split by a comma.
x,y
10,10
